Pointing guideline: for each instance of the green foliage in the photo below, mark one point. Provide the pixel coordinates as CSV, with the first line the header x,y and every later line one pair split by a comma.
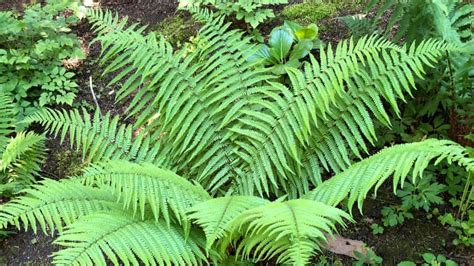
x,y
32,47
280,53
421,194
294,229
253,12
367,259
99,214
464,229
377,229
21,153
395,215
147,242
309,13
449,20
417,19
212,131
429,259
262,129
162,190
215,216
100,137
177,29
398,161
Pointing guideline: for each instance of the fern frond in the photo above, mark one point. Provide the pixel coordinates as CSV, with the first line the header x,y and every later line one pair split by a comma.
x,y
100,138
52,204
400,160
191,95
21,161
387,78
215,216
126,240
142,186
291,230
332,100
7,119
202,15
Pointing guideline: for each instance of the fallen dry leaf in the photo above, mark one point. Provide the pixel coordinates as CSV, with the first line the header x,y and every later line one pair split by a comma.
x,y
345,246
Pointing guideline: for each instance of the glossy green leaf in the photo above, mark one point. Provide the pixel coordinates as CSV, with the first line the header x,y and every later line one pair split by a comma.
x,y
280,42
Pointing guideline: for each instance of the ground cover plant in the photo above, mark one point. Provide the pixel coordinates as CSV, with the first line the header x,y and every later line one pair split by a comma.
x,y
229,153
32,49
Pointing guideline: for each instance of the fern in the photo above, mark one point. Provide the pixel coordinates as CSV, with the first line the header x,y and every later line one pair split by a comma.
x,y
52,204
147,186
235,132
268,229
21,156
212,123
200,91
147,242
100,138
7,119
113,192
292,229
399,160
416,20
215,216
288,125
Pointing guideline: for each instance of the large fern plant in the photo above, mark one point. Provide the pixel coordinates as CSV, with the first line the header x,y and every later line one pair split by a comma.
x,y
222,158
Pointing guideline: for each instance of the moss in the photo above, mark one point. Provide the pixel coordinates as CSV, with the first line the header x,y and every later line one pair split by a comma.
x,y
177,29
307,13
68,163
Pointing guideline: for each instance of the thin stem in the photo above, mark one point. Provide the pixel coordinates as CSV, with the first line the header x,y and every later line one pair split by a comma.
x,y
465,199
93,96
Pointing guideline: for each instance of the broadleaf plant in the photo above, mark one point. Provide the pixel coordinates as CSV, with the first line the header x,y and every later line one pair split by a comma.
x,y
286,46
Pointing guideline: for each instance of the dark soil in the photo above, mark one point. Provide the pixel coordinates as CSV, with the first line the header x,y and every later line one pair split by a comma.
x,y
409,240
144,11
26,248
405,242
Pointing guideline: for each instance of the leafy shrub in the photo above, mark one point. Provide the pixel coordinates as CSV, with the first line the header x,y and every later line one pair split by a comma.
x,y
32,46
307,13
462,228
215,138
253,12
421,194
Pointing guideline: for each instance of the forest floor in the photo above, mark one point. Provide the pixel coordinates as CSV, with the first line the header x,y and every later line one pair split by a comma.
x,y
404,242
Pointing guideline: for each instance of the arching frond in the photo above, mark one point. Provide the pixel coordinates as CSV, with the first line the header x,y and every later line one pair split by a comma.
x,y
332,100
99,138
126,240
52,204
400,161
215,216
191,95
21,155
21,160
142,186
291,231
